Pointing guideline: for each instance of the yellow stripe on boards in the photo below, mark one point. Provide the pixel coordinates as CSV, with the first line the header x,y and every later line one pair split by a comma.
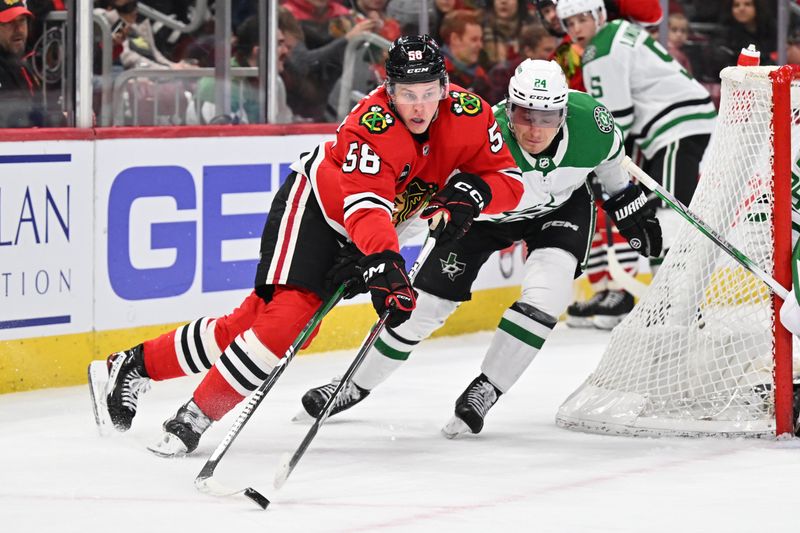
x,y
59,361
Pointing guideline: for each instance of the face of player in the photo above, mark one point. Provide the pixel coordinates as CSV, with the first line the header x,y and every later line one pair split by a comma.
x,y
744,11
467,46
417,103
535,129
581,28
13,35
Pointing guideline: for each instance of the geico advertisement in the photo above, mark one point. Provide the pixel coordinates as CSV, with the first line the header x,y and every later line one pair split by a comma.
x,y
46,238
179,223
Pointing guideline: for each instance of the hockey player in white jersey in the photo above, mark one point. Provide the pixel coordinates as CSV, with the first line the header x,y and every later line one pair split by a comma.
x,y
659,108
557,137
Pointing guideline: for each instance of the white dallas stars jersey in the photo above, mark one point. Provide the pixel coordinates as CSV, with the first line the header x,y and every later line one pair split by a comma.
x,y
589,141
653,99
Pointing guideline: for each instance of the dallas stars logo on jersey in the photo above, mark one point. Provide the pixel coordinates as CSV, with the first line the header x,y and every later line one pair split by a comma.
x,y
452,268
465,104
603,119
376,120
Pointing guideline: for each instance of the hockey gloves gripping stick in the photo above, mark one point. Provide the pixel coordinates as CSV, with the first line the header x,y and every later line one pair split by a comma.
x,y
457,205
346,269
385,277
636,220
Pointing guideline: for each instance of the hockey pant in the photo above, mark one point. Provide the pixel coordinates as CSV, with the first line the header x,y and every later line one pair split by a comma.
x,y
523,328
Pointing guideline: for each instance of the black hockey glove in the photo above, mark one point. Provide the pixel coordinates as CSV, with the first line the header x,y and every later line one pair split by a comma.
x,y
346,269
457,205
636,220
385,277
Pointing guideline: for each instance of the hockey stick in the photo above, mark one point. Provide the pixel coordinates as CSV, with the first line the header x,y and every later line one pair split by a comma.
x,y
695,221
288,464
617,271
205,481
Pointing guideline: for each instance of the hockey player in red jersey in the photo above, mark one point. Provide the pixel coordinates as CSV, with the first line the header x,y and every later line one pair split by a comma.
x,y
411,137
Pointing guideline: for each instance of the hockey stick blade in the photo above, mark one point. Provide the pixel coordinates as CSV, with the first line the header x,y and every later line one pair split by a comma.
x,y
282,474
212,487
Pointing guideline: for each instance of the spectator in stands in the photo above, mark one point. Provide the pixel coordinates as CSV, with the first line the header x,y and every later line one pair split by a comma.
x,y
18,84
793,48
245,92
534,42
463,41
139,47
315,62
501,28
678,35
375,10
746,22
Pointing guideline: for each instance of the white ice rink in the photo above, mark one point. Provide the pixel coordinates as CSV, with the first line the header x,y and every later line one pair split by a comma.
x,y
384,466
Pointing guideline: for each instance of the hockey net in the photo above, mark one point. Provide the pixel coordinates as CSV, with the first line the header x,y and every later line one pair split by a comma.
x,y
701,353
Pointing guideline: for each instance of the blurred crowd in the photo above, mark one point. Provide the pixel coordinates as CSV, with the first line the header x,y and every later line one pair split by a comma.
x,y
483,41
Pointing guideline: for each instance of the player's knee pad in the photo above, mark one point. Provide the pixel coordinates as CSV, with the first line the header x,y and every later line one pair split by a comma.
x,y
246,363
547,285
196,345
428,316
519,336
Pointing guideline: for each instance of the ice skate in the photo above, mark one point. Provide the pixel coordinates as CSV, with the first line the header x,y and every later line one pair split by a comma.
x,y
315,399
182,432
471,408
612,309
581,314
127,378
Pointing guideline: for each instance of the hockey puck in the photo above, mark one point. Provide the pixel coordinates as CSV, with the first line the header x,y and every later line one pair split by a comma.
x,y
257,497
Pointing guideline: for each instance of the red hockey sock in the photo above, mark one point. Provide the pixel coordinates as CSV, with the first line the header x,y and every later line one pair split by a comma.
x,y
160,359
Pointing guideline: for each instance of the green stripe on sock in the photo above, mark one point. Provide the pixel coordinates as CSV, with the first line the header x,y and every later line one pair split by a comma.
x,y
390,352
521,333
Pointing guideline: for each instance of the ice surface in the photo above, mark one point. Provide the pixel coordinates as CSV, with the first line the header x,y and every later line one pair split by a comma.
x,y
385,466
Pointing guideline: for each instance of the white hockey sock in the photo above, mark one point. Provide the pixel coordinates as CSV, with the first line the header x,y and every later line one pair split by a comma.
x,y
395,345
519,337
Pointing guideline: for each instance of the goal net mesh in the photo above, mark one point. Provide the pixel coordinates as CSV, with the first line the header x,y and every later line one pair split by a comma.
x,y
695,356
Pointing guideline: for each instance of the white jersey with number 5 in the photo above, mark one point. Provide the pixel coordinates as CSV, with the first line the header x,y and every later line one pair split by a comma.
x,y
653,99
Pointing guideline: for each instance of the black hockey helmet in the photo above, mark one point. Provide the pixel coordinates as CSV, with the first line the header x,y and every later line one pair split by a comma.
x,y
414,59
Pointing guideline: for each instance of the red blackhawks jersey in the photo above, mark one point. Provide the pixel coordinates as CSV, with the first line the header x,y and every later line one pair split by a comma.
x,y
376,174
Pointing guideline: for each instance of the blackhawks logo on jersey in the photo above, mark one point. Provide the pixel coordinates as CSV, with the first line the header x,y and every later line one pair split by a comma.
x,y
465,104
603,119
376,120
411,200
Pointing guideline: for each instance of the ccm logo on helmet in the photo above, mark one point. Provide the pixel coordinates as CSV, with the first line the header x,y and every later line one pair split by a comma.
x,y
417,70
